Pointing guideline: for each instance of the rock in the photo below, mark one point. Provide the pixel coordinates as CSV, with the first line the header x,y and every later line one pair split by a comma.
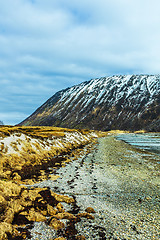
x,y
60,238
90,210
139,200
80,237
34,216
16,176
51,211
60,208
56,224
61,198
65,215
31,194
8,173
53,177
85,215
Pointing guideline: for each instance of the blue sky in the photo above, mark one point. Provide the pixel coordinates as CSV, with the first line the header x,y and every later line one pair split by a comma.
x,y
48,45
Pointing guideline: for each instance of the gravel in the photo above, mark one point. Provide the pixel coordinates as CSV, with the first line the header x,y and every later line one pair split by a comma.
x,y
120,182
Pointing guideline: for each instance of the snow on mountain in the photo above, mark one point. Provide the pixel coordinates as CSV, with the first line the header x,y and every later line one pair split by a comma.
x,y
128,102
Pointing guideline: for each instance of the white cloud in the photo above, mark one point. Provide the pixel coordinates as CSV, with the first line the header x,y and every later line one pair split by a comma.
x,y
49,45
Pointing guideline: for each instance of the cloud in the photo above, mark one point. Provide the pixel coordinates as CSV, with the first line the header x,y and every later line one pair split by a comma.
x,y
49,45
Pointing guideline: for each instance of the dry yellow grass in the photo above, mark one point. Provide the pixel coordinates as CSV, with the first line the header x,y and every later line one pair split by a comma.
x,y
140,131
38,146
23,150
117,132
42,132
16,200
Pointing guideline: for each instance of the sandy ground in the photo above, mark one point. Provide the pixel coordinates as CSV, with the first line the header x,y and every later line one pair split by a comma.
x,y
120,183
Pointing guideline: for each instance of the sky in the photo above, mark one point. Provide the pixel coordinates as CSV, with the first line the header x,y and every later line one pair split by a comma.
x,y
49,45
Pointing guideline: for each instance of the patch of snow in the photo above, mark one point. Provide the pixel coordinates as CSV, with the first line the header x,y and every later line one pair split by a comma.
x,y
19,140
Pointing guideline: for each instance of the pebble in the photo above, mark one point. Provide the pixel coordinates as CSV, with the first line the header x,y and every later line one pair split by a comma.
x,y
111,181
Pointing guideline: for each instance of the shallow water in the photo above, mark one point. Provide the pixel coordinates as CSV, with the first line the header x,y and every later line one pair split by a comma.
x,y
146,141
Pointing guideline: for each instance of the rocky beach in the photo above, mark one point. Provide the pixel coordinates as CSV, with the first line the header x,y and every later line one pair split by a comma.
x,y
90,190
30,155
79,120
120,183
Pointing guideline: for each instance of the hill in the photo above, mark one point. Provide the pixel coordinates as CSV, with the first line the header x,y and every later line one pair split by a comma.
x,y
129,102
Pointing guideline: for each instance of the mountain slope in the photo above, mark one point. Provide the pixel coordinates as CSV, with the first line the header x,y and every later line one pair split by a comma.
x,y
129,102
1,123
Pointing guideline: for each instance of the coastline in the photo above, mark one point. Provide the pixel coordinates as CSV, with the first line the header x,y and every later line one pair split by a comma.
x,y
120,184
27,153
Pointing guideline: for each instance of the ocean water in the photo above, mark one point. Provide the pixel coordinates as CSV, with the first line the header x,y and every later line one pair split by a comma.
x,y
146,141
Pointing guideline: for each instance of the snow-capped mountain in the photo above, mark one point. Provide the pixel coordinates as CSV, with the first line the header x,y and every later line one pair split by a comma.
x,y
129,102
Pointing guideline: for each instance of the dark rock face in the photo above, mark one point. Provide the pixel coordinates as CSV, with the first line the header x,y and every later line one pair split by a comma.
x,y
1,123
129,102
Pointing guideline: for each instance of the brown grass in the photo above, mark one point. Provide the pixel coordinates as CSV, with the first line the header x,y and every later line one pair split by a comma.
x,y
37,132
34,154
17,203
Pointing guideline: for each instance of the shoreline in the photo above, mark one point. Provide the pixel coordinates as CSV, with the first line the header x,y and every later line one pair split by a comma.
x,y
148,142
27,153
111,177
122,186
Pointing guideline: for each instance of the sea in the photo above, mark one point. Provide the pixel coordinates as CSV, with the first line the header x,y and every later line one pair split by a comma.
x,y
147,141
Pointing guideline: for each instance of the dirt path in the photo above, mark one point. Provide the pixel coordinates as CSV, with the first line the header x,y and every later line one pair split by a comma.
x,y
120,183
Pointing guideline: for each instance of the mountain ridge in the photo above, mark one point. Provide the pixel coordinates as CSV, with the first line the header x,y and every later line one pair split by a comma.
x,y
125,102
